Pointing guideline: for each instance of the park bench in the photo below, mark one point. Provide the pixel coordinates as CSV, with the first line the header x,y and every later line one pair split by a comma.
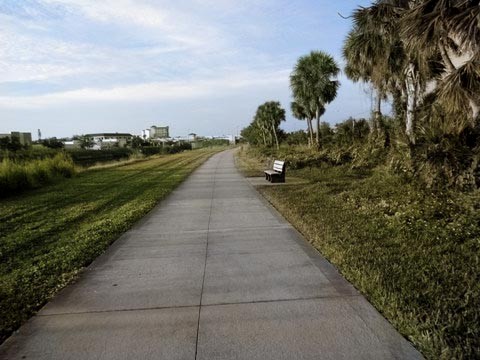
x,y
277,174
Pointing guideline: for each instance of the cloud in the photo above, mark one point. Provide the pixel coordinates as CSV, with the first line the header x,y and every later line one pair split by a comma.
x,y
177,27
65,60
26,57
155,91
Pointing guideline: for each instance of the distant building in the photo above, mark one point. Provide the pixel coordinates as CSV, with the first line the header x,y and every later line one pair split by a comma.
x,y
108,140
72,144
231,138
24,138
159,132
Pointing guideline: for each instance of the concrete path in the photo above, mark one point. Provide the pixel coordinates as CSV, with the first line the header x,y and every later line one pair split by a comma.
x,y
213,272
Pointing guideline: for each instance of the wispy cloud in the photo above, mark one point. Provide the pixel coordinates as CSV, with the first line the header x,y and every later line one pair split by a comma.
x,y
101,53
155,91
177,27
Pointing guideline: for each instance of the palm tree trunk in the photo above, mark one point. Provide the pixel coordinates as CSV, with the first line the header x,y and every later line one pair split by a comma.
x,y
275,134
378,113
318,128
412,92
310,132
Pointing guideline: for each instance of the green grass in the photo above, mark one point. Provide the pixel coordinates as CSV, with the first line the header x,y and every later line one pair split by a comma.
x,y
413,253
48,235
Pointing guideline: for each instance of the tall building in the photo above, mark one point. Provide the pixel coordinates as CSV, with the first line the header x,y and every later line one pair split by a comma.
x,y
159,132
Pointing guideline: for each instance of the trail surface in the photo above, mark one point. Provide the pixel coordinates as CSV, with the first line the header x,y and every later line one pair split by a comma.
x,y
213,272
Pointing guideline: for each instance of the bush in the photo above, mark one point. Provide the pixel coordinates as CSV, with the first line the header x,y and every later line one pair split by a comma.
x,y
35,152
53,143
166,149
151,150
16,177
203,143
91,157
296,137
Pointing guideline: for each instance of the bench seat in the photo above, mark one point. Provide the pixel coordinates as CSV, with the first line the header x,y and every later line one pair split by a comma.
x,y
277,174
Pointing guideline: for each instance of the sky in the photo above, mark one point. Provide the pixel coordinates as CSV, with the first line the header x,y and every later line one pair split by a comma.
x,y
203,66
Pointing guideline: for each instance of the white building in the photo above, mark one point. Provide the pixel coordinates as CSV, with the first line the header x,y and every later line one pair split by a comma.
x,y
109,140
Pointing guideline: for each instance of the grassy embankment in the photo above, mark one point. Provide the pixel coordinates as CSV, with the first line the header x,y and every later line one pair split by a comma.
x,y
49,234
38,166
414,253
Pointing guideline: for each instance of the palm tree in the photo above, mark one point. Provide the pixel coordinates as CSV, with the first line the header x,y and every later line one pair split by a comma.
x,y
300,113
270,115
449,29
314,85
374,54
386,61
260,127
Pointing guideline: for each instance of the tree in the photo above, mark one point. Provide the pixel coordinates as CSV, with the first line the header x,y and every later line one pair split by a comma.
x,y
426,54
296,137
270,115
314,85
52,143
374,54
326,133
251,134
11,143
300,113
264,127
449,30
137,142
86,142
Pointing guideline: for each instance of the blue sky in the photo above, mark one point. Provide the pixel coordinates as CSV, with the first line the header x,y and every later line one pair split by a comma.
x,y
80,66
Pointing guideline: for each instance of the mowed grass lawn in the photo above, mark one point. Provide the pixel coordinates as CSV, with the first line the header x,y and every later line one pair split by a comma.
x,y
413,252
48,235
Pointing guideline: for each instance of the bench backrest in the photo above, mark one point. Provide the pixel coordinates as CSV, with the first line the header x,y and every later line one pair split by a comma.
x,y
279,166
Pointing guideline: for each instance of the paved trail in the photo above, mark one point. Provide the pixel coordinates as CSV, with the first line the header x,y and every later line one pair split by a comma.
x,y
213,272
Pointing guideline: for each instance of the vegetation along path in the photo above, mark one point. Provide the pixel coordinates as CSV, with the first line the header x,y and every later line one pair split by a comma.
x,y
213,272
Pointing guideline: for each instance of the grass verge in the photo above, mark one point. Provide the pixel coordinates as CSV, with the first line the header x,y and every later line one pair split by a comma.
x,y
413,253
49,234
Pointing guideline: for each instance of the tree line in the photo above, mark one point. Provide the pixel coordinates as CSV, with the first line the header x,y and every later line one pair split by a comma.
x,y
423,57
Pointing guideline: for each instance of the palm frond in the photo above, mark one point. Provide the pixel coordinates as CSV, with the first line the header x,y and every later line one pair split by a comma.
x,y
459,87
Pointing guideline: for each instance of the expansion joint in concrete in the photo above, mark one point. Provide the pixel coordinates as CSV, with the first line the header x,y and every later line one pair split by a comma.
x,y
205,264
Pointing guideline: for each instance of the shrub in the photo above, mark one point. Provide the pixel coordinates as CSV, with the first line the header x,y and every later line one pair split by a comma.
x,y
166,149
16,177
35,152
87,158
151,150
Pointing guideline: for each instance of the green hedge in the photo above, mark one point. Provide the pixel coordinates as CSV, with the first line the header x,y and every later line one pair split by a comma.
x,y
166,149
91,157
